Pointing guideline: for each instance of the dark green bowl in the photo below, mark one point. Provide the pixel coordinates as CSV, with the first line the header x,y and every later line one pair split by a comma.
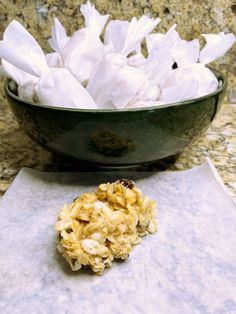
x,y
118,137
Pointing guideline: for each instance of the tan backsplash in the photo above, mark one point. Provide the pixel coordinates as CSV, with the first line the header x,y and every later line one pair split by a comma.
x,y
192,17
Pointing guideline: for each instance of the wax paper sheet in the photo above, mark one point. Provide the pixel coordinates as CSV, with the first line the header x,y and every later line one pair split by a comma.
x,y
188,266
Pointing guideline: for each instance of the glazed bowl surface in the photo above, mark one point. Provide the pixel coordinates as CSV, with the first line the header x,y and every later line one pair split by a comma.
x,y
117,138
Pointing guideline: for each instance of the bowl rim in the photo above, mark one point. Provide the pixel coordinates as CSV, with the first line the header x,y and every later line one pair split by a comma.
x,y
219,75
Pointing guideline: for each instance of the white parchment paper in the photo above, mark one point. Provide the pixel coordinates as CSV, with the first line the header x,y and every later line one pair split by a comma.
x,y
188,266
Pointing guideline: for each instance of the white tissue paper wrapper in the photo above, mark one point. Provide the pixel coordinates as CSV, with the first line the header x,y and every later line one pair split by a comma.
x,y
187,266
115,34
157,40
59,37
216,46
137,60
185,52
85,48
55,86
180,51
108,59
149,103
188,82
126,37
115,84
93,19
66,90
179,91
100,79
160,60
25,82
57,42
19,48
54,60
81,54
58,87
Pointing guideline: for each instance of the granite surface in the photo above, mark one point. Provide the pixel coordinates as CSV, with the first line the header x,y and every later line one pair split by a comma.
x,y
192,17
219,143
187,266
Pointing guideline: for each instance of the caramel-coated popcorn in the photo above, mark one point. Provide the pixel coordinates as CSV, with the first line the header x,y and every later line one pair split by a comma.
x,y
102,226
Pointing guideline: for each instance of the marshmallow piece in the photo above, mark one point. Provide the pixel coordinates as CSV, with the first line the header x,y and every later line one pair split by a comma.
x,y
59,37
21,50
216,46
58,87
93,19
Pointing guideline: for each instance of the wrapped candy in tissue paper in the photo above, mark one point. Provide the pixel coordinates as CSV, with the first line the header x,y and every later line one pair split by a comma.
x,y
101,66
57,42
160,60
55,86
85,48
26,82
115,84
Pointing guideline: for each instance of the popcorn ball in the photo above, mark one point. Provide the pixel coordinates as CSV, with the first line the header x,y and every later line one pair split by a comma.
x,y
104,225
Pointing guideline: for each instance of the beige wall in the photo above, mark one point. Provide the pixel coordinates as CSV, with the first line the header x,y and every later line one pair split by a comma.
x,y
192,16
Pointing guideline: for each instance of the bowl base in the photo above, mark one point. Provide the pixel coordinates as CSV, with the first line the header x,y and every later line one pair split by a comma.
x,y
62,163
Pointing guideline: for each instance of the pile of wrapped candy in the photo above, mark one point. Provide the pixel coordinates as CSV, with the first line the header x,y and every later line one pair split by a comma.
x,y
102,65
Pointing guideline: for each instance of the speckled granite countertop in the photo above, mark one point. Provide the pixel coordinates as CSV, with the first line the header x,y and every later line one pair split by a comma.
x,y
219,143
17,150
193,18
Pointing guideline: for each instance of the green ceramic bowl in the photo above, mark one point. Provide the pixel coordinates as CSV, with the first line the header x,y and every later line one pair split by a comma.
x,y
117,137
